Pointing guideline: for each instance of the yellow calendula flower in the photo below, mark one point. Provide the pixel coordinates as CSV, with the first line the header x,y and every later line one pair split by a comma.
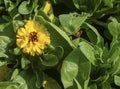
x,y
32,38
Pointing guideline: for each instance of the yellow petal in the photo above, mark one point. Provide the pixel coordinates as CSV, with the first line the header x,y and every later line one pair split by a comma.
x,y
22,42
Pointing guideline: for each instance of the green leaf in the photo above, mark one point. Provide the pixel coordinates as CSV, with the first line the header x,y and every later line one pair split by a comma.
x,y
59,51
17,51
114,53
17,24
59,38
84,71
49,60
88,51
115,66
25,79
113,19
114,29
25,7
2,26
8,32
117,80
75,66
4,42
24,62
94,36
3,55
69,68
19,79
2,62
28,79
72,22
14,74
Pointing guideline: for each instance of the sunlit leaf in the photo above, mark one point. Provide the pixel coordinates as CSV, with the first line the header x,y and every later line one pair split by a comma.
x,y
25,7
72,22
87,50
117,80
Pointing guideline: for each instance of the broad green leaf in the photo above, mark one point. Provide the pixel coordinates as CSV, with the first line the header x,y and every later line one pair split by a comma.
x,y
92,36
117,80
59,51
86,82
114,29
87,51
3,55
72,22
24,62
2,26
26,79
25,7
69,69
84,71
59,38
8,32
115,66
49,60
4,42
14,74
114,53
19,79
17,24
113,19
17,51
75,66
2,62
95,34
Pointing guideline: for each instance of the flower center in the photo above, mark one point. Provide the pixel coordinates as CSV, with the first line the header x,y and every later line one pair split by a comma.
x,y
33,37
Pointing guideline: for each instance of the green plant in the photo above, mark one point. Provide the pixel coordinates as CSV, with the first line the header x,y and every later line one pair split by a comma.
x,y
83,52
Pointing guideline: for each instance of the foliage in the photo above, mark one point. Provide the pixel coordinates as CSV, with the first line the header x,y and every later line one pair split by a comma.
x,y
85,45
